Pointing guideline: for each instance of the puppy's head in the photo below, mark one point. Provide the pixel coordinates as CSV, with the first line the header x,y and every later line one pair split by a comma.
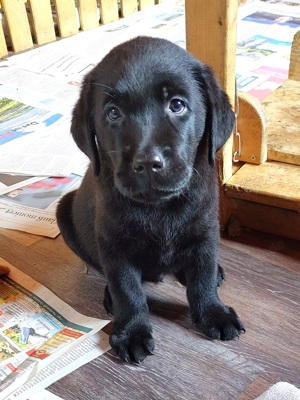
x,y
149,110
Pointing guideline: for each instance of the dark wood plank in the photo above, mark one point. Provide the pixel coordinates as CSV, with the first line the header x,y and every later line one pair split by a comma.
x,y
262,284
23,238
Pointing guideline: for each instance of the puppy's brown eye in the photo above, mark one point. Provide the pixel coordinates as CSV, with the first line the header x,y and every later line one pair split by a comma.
x,y
114,113
177,106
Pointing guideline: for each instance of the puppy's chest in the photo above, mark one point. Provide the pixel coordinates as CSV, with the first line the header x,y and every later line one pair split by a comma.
x,y
167,253
160,243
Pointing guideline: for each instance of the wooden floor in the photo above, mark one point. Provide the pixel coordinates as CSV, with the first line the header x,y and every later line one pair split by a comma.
x,y
262,284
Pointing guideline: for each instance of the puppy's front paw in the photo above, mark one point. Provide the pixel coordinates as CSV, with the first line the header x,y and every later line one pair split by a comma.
x,y
220,322
132,341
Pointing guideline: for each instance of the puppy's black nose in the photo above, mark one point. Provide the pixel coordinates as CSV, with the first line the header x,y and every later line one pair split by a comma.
x,y
154,164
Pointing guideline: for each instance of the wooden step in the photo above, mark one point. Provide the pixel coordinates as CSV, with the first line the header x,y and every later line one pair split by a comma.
x,y
264,218
283,110
266,197
272,183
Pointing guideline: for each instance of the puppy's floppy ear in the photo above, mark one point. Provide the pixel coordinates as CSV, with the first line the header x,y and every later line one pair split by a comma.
x,y
220,118
82,127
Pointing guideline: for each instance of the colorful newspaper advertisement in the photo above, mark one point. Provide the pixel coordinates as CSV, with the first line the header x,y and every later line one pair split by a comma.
x,y
36,328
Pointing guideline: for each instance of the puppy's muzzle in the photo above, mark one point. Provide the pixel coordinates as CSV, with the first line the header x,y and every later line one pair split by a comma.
x,y
143,165
152,176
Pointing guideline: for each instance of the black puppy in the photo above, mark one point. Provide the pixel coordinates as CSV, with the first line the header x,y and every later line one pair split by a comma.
x,y
151,118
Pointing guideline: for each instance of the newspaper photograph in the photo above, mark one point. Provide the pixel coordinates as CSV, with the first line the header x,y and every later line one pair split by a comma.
x,y
41,194
36,328
31,208
9,182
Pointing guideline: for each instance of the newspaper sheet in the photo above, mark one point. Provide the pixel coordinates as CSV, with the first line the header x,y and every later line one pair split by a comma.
x,y
84,352
37,328
35,113
265,33
44,395
31,208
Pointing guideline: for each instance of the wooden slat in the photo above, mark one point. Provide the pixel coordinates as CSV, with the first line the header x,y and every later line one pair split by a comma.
x,y
265,218
271,183
42,21
3,47
283,110
88,14
294,70
128,7
145,4
211,28
66,17
109,11
15,14
252,127
211,37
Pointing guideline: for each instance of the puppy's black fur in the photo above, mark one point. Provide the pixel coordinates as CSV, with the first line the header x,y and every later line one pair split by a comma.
x,y
151,118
